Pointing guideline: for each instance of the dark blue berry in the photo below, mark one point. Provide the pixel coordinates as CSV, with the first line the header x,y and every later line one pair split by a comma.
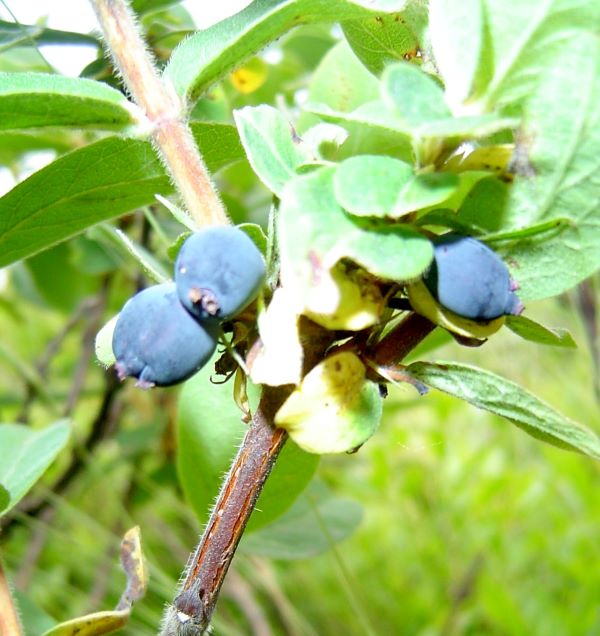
x,y
471,280
219,270
157,341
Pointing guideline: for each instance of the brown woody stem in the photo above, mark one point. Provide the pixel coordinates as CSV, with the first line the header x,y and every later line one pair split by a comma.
x,y
164,110
399,342
192,609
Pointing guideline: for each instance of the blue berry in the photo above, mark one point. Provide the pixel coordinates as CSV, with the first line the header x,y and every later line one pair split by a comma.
x,y
471,280
219,270
157,341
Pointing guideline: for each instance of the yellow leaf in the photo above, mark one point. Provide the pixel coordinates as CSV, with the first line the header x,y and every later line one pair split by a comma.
x,y
425,304
335,409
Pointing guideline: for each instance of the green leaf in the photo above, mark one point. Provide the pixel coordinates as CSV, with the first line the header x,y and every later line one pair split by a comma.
x,y
341,85
377,116
368,185
414,97
4,498
67,101
530,330
15,144
424,190
456,31
95,183
381,5
57,280
146,6
208,55
517,57
485,205
209,431
273,149
341,82
257,234
315,234
560,156
26,454
493,393
35,620
15,34
148,262
314,524
335,409
381,39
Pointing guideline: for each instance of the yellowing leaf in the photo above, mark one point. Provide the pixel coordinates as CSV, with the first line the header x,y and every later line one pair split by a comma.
x,y
489,158
335,409
103,343
344,300
110,621
91,624
425,304
132,560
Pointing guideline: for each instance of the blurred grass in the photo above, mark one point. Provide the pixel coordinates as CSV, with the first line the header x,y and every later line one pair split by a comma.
x,y
470,527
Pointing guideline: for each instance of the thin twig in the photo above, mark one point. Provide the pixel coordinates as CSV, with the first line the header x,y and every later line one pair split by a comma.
x,y
164,110
87,347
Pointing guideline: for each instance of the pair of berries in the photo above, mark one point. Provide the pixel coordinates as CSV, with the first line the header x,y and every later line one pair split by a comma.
x,y
166,333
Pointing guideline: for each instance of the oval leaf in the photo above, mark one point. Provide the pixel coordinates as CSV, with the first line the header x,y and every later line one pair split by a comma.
x,y
558,160
25,456
67,101
382,39
457,32
493,393
530,330
105,179
205,57
273,149
414,97
368,185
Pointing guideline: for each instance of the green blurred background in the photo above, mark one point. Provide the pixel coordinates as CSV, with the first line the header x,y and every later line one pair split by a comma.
x,y
463,524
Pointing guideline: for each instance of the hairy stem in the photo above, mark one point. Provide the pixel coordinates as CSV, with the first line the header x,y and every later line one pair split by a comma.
x,y
164,110
192,609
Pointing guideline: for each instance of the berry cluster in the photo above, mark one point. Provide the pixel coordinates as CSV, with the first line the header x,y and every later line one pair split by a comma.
x,y
166,333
